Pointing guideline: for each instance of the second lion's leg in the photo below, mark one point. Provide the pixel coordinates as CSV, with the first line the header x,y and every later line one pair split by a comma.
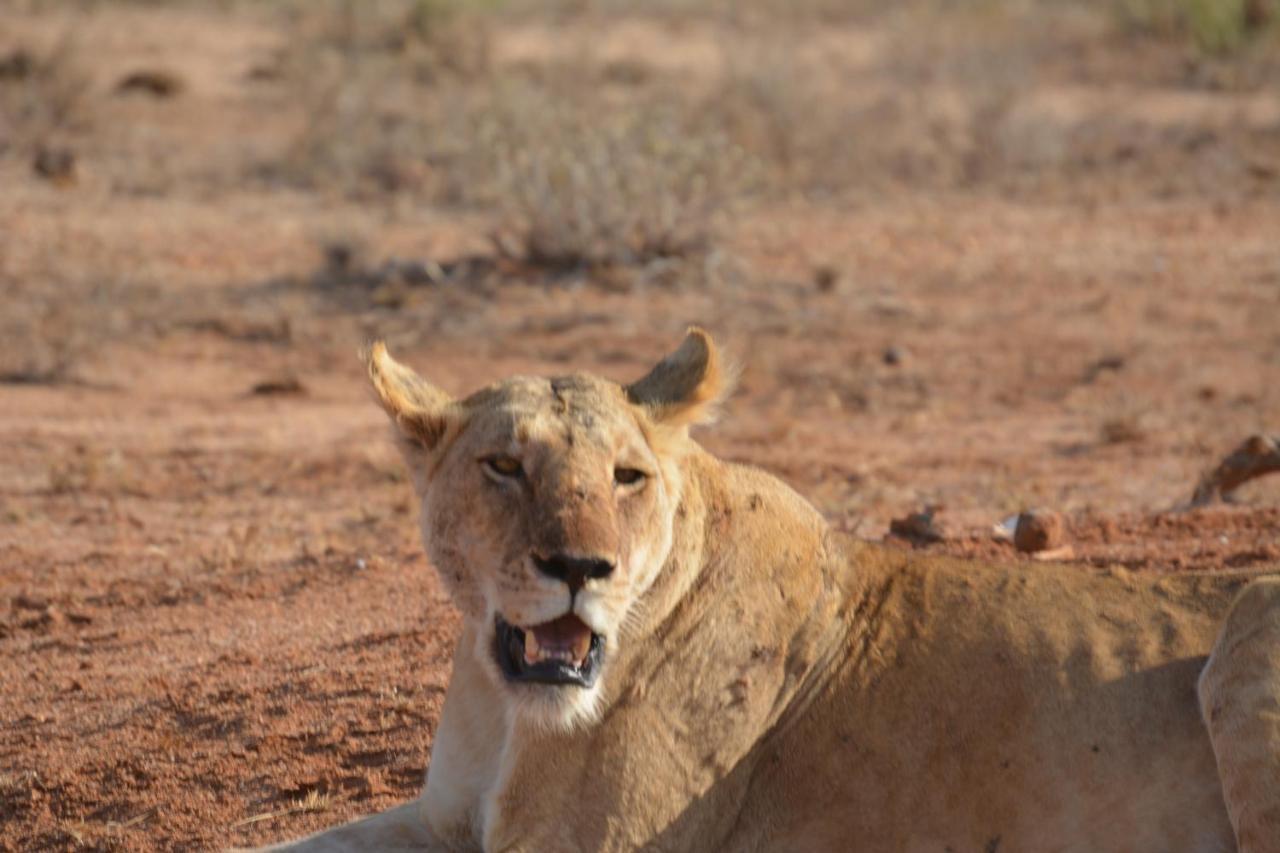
x,y
1240,701
400,830
467,752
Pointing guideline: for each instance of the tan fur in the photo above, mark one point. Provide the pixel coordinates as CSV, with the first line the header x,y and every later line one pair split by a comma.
x,y
771,686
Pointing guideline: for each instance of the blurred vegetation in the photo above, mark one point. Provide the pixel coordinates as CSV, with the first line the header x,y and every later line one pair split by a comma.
x,y
605,187
583,155
43,96
1214,26
588,159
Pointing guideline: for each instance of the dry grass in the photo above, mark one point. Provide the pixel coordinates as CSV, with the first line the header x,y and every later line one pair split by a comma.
x,y
43,96
365,76
576,174
767,103
582,161
585,185
1213,26
46,332
571,178
315,802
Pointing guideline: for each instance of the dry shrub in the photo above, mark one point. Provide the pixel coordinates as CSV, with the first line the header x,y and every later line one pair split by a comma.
x,y
430,38
599,185
354,137
929,109
401,97
43,97
591,163
941,102
1214,26
724,11
56,320
90,469
48,328
365,76
768,104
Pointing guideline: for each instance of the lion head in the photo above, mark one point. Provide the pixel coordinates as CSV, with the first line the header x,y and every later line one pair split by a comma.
x,y
548,505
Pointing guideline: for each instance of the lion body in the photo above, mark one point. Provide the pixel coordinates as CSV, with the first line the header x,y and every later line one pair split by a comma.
x,y
784,688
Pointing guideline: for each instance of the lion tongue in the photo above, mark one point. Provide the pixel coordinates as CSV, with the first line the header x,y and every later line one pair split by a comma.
x,y
565,639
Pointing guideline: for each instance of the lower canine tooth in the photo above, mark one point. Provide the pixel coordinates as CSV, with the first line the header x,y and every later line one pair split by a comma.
x,y
531,649
581,648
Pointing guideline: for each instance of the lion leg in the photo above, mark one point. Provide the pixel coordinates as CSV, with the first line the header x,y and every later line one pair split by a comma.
x,y
398,830
1240,701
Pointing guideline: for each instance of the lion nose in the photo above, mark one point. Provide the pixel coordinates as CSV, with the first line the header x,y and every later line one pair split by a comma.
x,y
575,571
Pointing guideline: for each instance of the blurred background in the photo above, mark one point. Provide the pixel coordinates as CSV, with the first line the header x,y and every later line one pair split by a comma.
x,y
973,258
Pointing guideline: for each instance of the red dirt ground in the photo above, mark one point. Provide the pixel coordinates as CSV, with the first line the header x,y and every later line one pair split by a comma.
x,y
216,623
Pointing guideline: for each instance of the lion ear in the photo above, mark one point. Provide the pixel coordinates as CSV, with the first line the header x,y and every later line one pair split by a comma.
x,y
687,386
419,409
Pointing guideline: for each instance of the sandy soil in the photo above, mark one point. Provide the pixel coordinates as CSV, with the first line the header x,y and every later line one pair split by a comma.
x,y
216,623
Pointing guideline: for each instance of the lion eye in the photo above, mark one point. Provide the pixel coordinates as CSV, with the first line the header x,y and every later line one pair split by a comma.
x,y
628,476
503,466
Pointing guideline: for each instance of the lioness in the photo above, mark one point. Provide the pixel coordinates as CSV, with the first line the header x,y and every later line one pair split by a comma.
x,y
664,650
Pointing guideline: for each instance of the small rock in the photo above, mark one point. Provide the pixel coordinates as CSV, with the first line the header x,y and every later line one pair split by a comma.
x,y
1004,529
1106,364
1123,429
400,174
26,602
285,385
17,65
419,273
919,528
57,165
391,294
826,278
340,257
1038,530
264,73
157,83
893,355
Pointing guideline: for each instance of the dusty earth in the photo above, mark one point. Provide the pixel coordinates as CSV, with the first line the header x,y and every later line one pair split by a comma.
x,y
216,624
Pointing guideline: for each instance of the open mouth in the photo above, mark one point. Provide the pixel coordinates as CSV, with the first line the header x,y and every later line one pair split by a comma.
x,y
562,651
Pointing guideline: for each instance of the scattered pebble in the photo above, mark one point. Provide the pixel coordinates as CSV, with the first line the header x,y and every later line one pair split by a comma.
x,y
1106,364
17,65
918,527
156,83
893,355
1004,529
1038,530
279,386
826,278
57,165
1123,430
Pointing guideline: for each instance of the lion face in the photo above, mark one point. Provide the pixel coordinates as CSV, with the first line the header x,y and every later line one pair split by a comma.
x,y
549,516
548,507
